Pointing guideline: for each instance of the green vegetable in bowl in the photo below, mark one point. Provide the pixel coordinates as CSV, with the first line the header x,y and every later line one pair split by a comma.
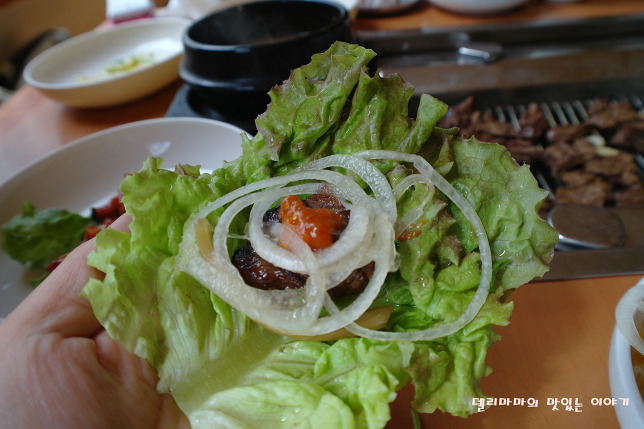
x,y
38,237
223,366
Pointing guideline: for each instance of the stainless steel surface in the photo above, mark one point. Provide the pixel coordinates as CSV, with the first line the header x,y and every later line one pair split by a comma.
x,y
531,53
595,263
560,64
585,226
594,241
528,37
567,112
486,52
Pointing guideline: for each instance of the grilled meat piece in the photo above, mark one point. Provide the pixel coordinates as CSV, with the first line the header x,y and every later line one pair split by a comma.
x,y
629,197
561,157
524,151
615,169
566,133
630,136
605,115
576,178
533,123
578,166
485,127
259,273
595,193
458,115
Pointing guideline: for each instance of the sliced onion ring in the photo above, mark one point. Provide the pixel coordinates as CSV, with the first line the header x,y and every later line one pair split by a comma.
x,y
627,308
287,312
417,211
470,214
370,236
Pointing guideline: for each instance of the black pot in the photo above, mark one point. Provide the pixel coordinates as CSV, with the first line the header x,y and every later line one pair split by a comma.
x,y
234,56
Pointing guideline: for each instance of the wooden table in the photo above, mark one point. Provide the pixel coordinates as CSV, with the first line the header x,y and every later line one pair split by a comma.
x,y
556,346
558,341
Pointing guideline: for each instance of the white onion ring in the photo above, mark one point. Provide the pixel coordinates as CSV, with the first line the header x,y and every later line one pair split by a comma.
x,y
369,236
343,249
344,256
627,307
417,211
367,172
481,293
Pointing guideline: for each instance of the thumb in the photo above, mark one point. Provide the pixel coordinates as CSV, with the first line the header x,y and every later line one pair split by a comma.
x,y
56,305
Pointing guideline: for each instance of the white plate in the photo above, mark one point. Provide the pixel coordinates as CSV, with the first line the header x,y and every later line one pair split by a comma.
x,y
477,7
62,71
84,173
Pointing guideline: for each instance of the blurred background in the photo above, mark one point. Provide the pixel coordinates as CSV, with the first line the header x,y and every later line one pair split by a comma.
x,y
29,26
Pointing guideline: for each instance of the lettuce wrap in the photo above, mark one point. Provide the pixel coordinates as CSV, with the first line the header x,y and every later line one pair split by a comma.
x,y
226,371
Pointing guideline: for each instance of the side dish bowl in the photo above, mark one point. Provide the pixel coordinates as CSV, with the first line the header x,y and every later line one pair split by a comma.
x,y
47,182
626,369
235,69
478,7
110,66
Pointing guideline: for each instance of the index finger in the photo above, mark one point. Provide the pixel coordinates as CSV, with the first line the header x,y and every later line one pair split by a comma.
x,y
56,305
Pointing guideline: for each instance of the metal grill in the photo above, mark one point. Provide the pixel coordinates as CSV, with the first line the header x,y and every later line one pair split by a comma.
x,y
559,112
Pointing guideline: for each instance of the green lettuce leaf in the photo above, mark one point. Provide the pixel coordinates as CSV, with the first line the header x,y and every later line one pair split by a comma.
x,y
38,237
219,365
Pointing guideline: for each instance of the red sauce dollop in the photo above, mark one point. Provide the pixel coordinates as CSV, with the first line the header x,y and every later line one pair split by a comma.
x,y
313,225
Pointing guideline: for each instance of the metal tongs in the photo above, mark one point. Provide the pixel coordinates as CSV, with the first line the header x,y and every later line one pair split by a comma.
x,y
596,241
587,227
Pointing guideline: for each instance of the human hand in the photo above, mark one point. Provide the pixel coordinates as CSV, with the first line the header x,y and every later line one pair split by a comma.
x,y
59,368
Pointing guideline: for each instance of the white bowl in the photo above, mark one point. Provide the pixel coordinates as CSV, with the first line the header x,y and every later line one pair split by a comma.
x,y
478,7
623,385
73,72
87,173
